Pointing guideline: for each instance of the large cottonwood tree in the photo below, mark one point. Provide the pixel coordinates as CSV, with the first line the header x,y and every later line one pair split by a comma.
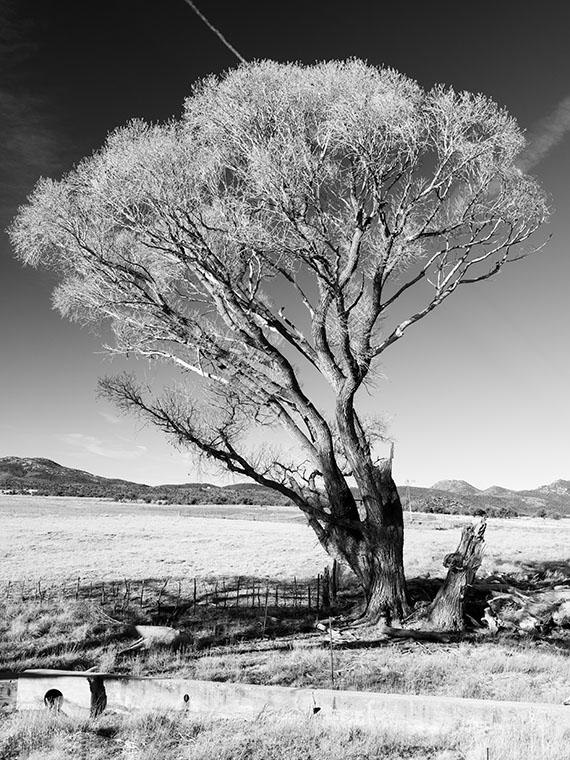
x,y
290,227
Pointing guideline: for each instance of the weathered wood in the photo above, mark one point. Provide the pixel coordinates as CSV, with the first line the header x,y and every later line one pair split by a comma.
x,y
446,612
528,611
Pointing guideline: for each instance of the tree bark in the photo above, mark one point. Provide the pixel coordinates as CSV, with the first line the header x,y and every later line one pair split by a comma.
x,y
375,555
446,611
385,589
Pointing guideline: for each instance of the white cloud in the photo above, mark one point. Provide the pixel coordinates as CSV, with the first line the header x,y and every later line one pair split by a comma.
x,y
110,418
101,448
546,135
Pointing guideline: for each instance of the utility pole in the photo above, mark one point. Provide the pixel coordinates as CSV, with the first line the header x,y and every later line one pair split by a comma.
x,y
409,498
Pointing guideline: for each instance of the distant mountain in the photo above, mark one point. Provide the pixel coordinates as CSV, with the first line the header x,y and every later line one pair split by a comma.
x,y
456,486
460,496
32,472
45,477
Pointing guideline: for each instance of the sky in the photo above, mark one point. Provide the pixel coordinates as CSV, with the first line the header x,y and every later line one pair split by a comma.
x,y
477,391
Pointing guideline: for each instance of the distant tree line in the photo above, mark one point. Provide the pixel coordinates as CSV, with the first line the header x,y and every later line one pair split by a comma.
x,y
210,494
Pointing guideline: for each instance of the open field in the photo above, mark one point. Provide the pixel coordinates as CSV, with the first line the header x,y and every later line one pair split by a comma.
x,y
58,540
105,540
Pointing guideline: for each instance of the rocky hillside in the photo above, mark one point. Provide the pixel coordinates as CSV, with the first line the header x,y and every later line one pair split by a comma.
x,y
458,495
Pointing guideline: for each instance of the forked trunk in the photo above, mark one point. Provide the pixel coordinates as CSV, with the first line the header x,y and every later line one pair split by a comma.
x,y
375,554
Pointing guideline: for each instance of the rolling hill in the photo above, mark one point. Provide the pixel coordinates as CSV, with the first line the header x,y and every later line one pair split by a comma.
x,y
46,477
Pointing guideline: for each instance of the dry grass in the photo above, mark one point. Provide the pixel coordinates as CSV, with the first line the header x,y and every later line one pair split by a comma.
x,y
104,540
226,645
180,737
109,541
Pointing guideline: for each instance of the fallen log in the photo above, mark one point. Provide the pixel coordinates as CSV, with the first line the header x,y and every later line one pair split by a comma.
x,y
152,636
378,632
529,611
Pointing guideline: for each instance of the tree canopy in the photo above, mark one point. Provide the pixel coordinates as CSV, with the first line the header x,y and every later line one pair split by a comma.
x,y
279,227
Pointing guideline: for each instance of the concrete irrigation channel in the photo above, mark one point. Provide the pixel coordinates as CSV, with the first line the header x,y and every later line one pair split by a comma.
x,y
90,693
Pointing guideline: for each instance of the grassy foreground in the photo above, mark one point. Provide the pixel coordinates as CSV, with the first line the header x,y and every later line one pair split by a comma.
x,y
66,634
45,623
180,737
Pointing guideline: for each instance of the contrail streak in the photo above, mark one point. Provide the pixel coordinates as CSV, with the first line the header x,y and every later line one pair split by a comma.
x,y
547,133
216,31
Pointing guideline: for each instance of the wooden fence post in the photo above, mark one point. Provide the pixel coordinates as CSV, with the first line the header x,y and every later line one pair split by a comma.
x,y
326,596
334,581
266,606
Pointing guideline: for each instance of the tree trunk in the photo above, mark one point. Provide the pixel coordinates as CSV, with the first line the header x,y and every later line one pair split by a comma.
x,y
446,611
375,554
385,585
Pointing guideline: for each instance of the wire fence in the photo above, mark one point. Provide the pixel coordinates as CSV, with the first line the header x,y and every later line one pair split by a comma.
x,y
186,593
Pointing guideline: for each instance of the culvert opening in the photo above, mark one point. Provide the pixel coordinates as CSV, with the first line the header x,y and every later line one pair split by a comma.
x,y
53,699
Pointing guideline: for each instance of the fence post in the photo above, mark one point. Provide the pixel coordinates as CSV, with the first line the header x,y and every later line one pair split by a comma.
x,y
326,588
334,581
277,595
318,590
331,648
237,591
309,595
266,606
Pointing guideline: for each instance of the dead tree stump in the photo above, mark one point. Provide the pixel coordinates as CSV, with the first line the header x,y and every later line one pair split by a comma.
x,y
445,613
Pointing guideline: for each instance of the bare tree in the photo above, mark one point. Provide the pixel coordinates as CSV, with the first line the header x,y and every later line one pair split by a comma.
x,y
277,231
